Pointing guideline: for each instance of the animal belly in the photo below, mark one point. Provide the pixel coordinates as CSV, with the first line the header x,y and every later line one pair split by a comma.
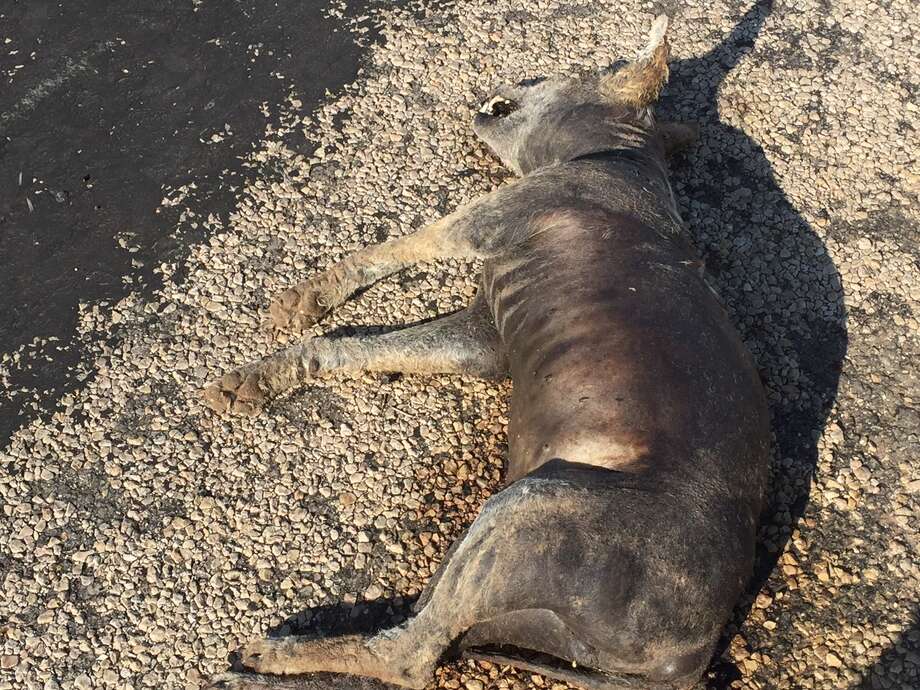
x,y
582,429
619,354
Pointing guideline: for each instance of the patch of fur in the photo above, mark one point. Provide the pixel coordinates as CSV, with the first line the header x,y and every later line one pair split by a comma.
x,y
638,83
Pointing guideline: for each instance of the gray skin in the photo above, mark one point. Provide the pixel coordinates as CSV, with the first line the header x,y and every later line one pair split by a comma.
x,y
638,439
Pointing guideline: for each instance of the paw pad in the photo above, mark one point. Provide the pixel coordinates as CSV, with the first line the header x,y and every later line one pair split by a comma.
x,y
298,308
237,392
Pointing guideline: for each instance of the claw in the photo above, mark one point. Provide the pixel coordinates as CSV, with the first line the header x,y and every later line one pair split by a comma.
x,y
253,655
301,322
216,399
231,381
249,388
237,392
290,298
299,308
246,409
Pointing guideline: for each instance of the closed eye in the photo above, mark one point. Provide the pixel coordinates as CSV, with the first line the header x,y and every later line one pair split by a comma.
x,y
498,107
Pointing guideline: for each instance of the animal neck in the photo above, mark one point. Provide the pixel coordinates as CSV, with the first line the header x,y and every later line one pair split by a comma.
x,y
642,157
572,136
635,155
624,142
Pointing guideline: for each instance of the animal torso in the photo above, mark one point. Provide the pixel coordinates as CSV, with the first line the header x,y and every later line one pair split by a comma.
x,y
628,372
621,355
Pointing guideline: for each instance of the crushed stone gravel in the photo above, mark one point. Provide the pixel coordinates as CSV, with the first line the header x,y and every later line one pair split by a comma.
x,y
143,537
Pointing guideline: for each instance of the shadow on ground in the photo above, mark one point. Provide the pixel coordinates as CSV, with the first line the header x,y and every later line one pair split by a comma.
x,y
891,663
775,276
113,111
346,619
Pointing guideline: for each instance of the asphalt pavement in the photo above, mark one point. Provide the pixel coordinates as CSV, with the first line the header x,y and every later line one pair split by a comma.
x,y
105,108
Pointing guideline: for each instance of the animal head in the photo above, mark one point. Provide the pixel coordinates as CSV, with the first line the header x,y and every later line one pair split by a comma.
x,y
544,121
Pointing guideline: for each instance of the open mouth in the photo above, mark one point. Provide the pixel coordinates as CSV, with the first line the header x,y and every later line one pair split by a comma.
x,y
498,107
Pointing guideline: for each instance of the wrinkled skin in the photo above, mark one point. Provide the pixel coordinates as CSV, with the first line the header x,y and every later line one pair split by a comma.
x,y
638,438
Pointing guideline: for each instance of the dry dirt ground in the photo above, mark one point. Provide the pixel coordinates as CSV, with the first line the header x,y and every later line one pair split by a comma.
x,y
143,537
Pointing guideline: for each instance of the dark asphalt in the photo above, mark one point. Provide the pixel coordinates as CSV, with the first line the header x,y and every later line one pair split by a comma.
x,y
108,113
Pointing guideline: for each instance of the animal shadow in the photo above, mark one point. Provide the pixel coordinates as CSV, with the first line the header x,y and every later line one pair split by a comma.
x,y
332,620
889,668
776,279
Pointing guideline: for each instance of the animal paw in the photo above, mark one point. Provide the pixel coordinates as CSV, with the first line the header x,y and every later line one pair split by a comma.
x,y
238,392
300,307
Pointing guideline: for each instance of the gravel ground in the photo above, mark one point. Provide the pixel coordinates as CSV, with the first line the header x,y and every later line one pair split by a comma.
x,y
143,537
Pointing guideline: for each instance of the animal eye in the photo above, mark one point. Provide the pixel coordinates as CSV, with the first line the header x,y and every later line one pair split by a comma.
x,y
498,107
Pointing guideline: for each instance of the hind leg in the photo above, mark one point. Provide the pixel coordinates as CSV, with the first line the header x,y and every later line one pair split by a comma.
x,y
321,681
462,343
406,656
540,569
470,587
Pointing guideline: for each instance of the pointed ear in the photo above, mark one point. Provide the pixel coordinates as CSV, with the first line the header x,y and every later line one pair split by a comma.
x,y
638,83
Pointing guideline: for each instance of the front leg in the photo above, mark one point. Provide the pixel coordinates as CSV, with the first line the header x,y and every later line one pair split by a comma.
x,y
306,303
462,343
246,390
475,230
